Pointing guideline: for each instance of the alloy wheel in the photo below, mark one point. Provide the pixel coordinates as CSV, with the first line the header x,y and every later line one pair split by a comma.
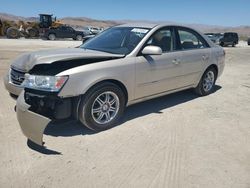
x,y
105,107
208,81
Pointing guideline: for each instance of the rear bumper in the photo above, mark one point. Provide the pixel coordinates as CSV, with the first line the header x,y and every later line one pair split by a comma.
x,y
11,88
32,124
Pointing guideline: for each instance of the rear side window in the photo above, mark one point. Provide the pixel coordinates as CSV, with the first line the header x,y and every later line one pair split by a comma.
x,y
190,40
228,34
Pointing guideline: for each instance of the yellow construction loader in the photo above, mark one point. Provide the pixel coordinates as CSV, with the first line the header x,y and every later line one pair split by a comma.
x,y
18,29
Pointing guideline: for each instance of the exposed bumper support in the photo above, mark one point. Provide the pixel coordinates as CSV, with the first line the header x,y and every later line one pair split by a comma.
x,y
32,124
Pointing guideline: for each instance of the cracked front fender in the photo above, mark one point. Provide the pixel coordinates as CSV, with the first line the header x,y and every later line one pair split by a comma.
x,y
32,124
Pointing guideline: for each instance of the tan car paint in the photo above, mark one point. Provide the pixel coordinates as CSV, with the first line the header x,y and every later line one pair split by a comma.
x,y
32,124
144,77
83,77
12,88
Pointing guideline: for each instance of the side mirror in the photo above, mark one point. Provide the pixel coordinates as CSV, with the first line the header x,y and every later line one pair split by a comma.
x,y
152,50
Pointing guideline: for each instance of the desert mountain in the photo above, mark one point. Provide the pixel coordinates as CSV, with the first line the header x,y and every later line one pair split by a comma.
x,y
80,22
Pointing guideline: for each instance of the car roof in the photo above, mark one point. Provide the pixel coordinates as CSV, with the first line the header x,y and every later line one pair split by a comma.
x,y
143,25
150,25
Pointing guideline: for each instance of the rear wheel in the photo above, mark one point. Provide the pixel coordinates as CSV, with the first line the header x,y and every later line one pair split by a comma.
x,y
207,82
52,36
79,37
102,106
234,43
222,44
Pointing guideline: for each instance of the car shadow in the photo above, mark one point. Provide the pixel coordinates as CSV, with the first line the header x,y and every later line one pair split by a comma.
x,y
73,128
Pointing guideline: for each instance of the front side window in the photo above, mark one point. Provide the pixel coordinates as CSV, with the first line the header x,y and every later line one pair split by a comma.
x,y
117,40
163,39
190,40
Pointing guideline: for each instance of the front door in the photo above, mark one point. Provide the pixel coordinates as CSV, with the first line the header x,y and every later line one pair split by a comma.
x,y
158,73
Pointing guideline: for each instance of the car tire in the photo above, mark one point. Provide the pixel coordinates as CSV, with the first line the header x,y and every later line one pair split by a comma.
x,y
234,43
13,33
79,37
52,36
102,106
207,82
32,32
222,44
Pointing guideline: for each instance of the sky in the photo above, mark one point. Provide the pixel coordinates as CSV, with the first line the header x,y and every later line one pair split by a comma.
x,y
209,12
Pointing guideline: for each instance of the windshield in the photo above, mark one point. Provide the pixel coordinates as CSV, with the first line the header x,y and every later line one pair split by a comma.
x,y
116,40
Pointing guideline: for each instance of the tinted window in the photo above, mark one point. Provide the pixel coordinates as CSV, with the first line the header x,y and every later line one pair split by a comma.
x,y
162,38
190,40
228,35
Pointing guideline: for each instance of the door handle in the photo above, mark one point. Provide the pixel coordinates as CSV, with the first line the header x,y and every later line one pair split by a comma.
x,y
176,61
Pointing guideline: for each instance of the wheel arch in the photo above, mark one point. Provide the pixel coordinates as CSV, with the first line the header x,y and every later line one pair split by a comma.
x,y
202,73
113,81
214,66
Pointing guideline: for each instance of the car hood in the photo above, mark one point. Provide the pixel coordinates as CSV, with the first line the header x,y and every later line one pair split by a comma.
x,y
27,61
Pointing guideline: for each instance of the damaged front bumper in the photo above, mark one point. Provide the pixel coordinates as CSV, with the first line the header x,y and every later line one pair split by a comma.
x,y
32,124
35,110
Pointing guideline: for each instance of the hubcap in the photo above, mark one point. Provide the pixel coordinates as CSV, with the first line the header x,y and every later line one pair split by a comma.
x,y
208,81
105,107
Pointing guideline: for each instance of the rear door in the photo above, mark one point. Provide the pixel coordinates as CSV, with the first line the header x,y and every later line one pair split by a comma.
x,y
195,55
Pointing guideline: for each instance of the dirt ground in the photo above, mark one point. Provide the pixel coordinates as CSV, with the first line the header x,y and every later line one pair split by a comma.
x,y
179,140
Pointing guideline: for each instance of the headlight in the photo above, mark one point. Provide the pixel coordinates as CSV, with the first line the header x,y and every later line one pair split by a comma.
x,y
45,83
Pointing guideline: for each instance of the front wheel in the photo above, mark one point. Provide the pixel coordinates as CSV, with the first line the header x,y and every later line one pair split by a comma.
x,y
102,106
207,82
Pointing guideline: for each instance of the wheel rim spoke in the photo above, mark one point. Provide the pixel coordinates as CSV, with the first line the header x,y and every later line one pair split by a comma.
x,y
107,116
97,110
107,97
100,101
100,116
112,109
112,102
